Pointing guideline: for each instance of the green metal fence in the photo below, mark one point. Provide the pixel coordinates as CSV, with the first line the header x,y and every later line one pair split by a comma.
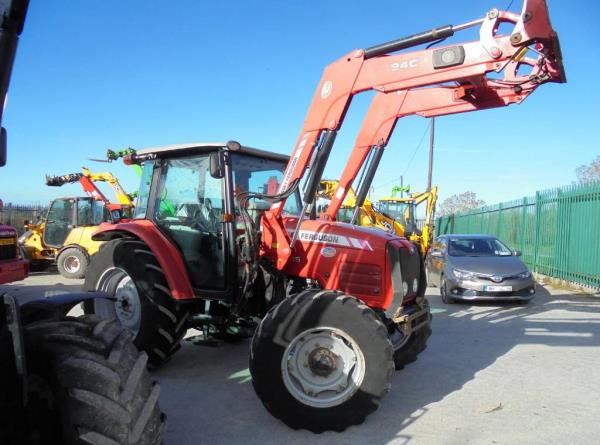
x,y
557,230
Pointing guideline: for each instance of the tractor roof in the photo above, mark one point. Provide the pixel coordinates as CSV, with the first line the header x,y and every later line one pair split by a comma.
x,y
204,147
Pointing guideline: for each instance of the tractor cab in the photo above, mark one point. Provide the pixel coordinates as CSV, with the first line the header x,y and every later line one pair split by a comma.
x,y
402,210
66,214
191,193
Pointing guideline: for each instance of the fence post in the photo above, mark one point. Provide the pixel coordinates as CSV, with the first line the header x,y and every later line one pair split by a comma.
x,y
523,225
536,244
499,231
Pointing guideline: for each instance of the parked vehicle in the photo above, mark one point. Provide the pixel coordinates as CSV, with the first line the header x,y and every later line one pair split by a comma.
x,y
64,237
477,267
12,265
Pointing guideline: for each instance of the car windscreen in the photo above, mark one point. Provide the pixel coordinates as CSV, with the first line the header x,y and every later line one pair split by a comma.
x,y
477,247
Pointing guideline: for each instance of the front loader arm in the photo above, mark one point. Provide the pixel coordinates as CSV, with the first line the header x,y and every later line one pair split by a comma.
x,y
468,95
374,69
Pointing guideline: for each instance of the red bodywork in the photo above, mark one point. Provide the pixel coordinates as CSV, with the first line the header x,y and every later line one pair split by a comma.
x,y
344,257
167,254
12,266
407,83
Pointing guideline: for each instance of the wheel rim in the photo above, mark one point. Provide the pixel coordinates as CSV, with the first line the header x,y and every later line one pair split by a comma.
x,y
72,264
126,306
323,367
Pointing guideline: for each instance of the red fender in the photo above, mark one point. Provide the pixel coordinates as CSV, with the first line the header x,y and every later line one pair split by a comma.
x,y
168,255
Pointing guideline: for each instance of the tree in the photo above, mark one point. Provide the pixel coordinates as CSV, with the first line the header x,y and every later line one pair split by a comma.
x,y
460,202
590,172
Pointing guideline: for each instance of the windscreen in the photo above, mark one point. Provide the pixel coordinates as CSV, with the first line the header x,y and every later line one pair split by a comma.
x,y
261,175
477,247
400,211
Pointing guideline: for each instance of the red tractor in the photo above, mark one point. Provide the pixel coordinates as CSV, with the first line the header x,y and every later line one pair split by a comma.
x,y
332,307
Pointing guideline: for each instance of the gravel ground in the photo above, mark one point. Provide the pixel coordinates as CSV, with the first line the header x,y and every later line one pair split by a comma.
x,y
492,374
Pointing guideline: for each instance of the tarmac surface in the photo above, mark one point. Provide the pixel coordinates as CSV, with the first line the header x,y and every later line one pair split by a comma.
x,y
493,373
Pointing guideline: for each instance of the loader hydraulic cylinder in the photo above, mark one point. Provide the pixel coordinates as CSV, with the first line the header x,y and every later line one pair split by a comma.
x,y
366,183
410,41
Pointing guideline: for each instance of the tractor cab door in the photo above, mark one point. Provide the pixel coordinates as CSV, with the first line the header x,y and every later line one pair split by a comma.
x,y
60,221
190,212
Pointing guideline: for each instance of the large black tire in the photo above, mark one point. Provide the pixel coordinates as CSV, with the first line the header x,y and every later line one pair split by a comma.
x,y
72,263
101,391
416,344
283,325
162,322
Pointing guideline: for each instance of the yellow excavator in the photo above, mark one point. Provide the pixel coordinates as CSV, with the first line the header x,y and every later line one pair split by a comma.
x,y
64,237
394,214
403,211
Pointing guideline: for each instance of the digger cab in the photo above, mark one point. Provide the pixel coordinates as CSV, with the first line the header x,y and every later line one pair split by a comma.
x,y
65,214
402,210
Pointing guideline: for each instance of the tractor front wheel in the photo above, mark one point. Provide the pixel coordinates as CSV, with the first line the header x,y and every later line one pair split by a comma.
x,y
321,361
415,344
127,270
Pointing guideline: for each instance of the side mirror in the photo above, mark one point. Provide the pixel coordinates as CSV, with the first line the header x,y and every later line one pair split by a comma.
x,y
217,165
3,147
517,253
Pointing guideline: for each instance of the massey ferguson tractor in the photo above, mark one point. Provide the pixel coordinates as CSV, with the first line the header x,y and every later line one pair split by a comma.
x,y
66,380
333,307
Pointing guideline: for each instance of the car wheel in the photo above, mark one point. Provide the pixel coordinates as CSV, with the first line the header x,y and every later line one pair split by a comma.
x,y
444,292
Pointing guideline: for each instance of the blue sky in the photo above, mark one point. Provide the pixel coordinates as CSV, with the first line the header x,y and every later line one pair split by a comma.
x,y
92,75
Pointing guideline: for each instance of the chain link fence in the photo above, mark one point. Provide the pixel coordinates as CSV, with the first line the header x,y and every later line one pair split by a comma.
x,y
16,215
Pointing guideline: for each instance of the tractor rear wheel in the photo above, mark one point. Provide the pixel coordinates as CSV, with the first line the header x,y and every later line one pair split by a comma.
x,y
128,270
93,383
321,360
72,263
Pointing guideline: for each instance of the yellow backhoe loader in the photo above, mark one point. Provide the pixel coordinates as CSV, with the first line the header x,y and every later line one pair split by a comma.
x,y
403,210
394,214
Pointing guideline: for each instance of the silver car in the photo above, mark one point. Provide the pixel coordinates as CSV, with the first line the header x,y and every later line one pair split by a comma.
x,y
477,267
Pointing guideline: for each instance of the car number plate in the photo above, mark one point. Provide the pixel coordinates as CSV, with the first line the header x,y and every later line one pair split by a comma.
x,y
6,241
493,288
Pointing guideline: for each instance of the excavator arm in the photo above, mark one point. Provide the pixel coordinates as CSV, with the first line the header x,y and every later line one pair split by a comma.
x,y
113,182
430,82
88,180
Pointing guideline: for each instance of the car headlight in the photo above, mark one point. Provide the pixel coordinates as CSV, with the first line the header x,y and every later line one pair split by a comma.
x,y
525,274
463,274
